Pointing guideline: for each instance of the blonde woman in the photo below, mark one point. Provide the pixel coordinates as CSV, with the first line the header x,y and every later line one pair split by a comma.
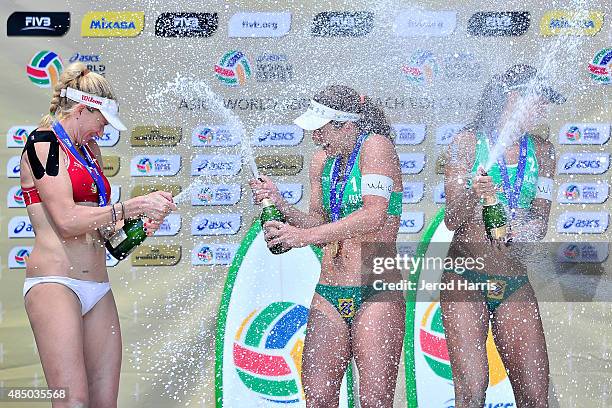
x,y
67,293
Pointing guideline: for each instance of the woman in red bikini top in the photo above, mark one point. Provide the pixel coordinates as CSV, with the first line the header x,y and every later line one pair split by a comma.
x,y
67,292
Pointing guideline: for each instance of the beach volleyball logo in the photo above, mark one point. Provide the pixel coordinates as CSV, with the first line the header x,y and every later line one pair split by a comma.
x,y
268,351
571,251
205,254
44,69
144,165
233,69
18,197
572,192
20,136
573,134
21,257
435,351
601,67
205,135
422,67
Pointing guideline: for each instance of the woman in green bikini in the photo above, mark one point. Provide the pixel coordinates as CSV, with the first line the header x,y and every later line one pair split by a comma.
x,y
356,197
521,178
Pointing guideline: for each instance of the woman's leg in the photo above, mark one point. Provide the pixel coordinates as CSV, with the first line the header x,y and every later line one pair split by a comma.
x,y
466,325
102,349
378,336
55,315
327,351
519,337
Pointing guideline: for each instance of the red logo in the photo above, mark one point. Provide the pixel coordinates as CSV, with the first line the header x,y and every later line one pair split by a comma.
x,y
88,98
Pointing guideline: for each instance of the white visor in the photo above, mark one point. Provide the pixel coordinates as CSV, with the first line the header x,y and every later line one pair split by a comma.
x,y
318,115
107,107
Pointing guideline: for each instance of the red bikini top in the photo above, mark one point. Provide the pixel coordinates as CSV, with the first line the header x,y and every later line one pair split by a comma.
x,y
84,188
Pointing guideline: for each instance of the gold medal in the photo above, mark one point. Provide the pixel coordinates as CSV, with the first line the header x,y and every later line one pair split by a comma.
x,y
334,247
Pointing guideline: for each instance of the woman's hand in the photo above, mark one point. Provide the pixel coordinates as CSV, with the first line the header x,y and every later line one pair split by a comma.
x,y
263,188
156,206
483,185
276,232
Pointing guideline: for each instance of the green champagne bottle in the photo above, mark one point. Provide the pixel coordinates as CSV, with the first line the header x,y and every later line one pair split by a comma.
x,y
494,217
124,241
271,213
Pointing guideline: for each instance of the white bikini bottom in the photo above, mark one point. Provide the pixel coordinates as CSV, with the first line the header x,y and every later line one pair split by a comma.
x,y
88,292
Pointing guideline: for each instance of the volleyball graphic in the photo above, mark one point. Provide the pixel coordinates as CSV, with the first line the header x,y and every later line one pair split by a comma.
x,y
571,252
205,254
18,197
21,257
421,68
573,134
233,69
44,69
20,136
268,351
435,352
601,67
572,192
144,165
205,195
206,135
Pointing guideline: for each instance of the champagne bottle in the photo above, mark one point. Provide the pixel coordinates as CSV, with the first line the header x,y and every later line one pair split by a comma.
x,y
124,241
494,217
271,213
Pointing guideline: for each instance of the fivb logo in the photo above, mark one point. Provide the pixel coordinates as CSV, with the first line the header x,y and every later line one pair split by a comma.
x,y
583,163
155,165
508,23
343,24
216,194
413,192
411,222
277,135
17,136
446,133
186,24
583,193
439,196
216,165
170,226
412,163
109,138
18,257
20,227
583,222
214,136
213,254
37,24
409,134
14,198
291,192
259,24
584,133
579,252
216,224
13,167
416,23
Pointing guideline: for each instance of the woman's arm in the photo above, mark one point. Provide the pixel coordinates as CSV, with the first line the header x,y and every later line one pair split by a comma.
x,y
460,200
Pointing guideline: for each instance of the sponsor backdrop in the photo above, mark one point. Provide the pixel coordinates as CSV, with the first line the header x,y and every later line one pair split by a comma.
x,y
426,64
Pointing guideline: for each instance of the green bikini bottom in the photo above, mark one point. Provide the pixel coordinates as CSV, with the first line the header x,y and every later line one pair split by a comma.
x,y
500,287
346,299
